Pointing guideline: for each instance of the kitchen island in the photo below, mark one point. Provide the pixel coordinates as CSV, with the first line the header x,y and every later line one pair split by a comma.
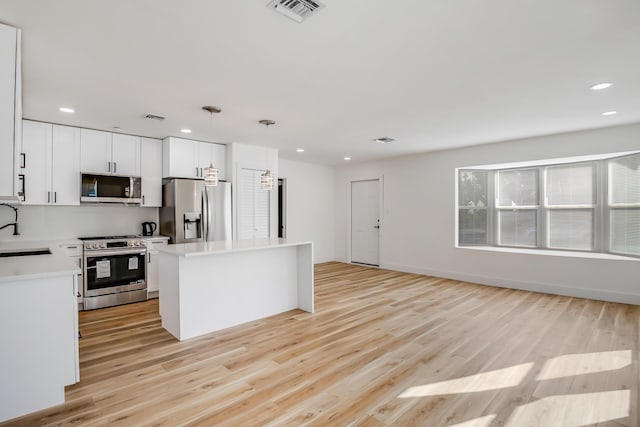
x,y
38,327
205,287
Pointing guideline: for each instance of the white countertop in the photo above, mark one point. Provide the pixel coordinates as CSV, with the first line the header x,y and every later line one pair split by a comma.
x,y
36,266
225,246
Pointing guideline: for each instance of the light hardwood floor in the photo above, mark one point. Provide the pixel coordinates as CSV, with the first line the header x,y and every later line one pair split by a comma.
x,y
383,349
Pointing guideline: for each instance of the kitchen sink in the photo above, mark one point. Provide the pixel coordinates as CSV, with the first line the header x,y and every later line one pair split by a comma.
x,y
24,252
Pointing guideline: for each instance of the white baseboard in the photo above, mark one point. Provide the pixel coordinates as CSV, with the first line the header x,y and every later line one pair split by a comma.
x,y
547,288
323,260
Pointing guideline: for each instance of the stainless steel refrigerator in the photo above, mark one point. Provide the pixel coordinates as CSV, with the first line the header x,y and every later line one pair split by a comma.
x,y
192,212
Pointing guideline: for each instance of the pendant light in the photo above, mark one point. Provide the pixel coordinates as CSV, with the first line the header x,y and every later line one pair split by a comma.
x,y
211,173
266,178
211,176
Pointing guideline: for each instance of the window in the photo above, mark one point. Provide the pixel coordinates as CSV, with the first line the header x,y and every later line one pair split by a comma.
x,y
518,207
570,205
584,205
624,205
472,212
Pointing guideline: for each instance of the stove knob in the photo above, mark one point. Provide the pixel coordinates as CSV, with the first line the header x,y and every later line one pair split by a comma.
x,y
103,246
138,243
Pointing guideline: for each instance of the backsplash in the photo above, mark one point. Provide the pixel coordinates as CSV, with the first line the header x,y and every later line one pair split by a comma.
x,y
64,222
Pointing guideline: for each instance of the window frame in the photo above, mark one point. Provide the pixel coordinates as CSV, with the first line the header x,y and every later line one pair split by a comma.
x,y
498,208
609,206
487,208
547,208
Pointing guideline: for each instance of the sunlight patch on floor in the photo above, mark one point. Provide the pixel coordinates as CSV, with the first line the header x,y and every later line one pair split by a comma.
x,y
587,363
573,409
476,422
492,380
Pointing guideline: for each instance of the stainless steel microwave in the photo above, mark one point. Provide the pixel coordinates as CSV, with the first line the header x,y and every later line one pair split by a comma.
x,y
111,189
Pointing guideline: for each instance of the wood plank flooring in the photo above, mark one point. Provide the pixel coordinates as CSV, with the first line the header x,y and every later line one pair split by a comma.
x,y
383,349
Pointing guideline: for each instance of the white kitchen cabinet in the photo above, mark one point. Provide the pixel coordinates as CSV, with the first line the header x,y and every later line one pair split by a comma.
x,y
184,158
65,166
39,335
50,164
151,172
212,154
125,155
105,153
178,157
203,156
74,252
95,151
10,108
153,278
35,171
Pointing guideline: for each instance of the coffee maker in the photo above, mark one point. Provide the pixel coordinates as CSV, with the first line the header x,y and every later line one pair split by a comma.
x,y
148,228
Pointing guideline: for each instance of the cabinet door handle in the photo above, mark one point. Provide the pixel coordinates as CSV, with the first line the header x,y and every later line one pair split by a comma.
x,y
24,160
149,257
115,167
109,166
78,295
22,192
55,197
197,172
143,199
48,196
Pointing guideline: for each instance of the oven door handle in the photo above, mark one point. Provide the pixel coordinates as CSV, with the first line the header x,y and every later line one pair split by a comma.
x,y
96,254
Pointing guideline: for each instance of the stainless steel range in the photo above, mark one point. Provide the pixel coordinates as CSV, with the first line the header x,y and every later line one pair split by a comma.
x,y
115,270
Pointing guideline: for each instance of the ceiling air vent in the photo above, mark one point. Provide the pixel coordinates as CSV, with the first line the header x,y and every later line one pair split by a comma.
x,y
384,140
153,117
298,10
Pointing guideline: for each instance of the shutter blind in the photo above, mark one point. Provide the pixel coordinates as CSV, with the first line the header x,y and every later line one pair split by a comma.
x,y
253,206
624,205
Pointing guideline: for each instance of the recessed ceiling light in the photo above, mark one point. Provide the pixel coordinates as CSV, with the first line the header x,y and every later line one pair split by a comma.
x,y
384,139
185,130
609,113
347,158
67,110
601,86
300,150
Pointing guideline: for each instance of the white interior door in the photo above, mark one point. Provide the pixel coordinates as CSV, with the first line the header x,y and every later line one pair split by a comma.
x,y
365,222
253,206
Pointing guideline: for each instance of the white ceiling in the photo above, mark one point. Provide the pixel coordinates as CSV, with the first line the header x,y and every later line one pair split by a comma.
x,y
432,74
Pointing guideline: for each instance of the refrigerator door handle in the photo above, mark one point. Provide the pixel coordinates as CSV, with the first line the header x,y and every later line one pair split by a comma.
x,y
205,215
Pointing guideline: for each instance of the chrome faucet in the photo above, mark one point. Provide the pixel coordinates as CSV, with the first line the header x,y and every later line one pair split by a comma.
x,y
14,224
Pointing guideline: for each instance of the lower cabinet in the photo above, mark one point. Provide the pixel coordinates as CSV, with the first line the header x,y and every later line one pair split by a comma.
x,y
152,264
74,251
39,335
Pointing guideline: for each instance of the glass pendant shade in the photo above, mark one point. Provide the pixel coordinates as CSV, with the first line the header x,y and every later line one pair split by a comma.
x,y
266,180
211,176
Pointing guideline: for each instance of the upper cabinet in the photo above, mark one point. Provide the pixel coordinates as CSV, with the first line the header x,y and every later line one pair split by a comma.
x,y
50,164
151,167
125,154
106,153
10,108
179,158
184,158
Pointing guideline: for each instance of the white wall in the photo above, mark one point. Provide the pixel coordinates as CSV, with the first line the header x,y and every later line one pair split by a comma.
x,y
310,206
418,219
63,222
